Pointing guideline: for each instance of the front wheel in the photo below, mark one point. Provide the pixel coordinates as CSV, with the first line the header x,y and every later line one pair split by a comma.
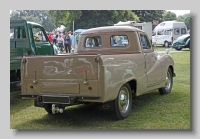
x,y
123,102
177,47
168,83
166,44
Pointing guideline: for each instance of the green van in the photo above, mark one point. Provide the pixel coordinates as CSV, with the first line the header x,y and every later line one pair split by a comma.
x,y
26,38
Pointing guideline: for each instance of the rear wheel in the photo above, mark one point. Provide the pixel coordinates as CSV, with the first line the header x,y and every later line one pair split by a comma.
x,y
123,102
168,83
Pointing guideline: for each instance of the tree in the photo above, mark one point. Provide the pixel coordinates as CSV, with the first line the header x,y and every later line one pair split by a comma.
x,y
169,16
149,15
184,18
38,16
91,18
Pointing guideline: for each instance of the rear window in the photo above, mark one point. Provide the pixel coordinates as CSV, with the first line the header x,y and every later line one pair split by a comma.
x,y
91,42
119,40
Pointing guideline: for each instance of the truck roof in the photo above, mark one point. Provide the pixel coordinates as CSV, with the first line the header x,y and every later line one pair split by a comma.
x,y
33,23
14,22
110,29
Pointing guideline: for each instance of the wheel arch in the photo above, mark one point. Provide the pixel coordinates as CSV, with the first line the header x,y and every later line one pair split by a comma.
x,y
133,86
172,70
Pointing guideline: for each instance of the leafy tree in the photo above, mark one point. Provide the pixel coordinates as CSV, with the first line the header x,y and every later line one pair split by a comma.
x,y
169,16
91,18
184,18
149,15
38,16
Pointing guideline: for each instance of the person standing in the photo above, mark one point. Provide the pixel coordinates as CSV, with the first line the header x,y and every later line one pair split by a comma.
x,y
67,43
50,36
77,38
74,44
60,41
55,36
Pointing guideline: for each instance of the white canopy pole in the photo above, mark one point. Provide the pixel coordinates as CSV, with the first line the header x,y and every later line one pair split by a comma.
x,y
73,27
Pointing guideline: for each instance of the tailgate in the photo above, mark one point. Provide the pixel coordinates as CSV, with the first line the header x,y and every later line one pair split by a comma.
x,y
59,74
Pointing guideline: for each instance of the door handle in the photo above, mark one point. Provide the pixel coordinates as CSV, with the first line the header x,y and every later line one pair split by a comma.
x,y
38,46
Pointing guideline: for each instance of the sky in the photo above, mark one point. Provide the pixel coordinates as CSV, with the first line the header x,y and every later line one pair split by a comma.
x,y
179,12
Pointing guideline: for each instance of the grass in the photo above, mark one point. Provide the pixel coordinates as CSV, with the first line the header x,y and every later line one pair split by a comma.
x,y
150,111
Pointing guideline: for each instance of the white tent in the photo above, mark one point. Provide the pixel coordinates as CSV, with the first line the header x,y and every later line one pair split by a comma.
x,y
61,28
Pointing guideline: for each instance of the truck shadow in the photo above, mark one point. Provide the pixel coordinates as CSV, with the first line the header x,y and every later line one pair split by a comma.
x,y
88,116
16,101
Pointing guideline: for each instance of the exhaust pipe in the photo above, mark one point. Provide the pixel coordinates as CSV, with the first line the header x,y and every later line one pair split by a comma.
x,y
56,109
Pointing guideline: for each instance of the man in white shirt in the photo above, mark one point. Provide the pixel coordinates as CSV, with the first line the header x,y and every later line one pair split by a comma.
x,y
60,41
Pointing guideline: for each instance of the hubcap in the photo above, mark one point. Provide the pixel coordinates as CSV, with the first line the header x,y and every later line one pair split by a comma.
x,y
168,81
123,100
166,44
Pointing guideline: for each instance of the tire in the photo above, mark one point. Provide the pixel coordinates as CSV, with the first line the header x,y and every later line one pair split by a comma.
x,y
166,44
47,107
177,47
168,83
123,102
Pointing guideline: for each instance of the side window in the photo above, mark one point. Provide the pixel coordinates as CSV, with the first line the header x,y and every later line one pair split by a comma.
x,y
183,31
176,31
144,42
119,40
39,35
160,32
167,32
93,42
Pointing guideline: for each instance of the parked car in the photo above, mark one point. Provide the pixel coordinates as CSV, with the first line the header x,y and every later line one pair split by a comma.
x,y
182,42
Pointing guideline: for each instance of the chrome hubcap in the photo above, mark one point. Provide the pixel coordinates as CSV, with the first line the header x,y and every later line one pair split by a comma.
x,y
168,81
123,100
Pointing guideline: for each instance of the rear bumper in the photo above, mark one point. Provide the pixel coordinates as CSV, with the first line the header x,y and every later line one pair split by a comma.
x,y
60,99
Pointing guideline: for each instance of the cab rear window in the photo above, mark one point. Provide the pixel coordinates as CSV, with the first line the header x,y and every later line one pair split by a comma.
x,y
119,40
93,42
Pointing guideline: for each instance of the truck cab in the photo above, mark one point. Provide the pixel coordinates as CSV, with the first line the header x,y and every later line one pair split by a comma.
x,y
26,38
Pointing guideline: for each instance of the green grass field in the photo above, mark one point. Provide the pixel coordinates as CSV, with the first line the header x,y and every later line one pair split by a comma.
x,y
150,111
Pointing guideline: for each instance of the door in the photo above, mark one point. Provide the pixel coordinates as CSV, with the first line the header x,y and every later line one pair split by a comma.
x,y
41,41
152,65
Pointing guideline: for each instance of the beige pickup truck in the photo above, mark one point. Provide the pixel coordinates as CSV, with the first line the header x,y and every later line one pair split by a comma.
x,y
111,65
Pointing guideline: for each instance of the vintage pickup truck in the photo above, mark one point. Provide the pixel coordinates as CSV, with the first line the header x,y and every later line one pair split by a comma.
x,y
112,64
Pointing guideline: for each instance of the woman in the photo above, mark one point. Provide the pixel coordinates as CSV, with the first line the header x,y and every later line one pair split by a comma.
x,y
60,41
